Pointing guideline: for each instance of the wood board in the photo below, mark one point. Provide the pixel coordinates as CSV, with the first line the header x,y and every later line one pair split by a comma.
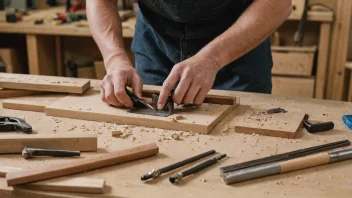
x,y
14,143
293,86
25,105
43,83
257,121
109,159
62,184
11,93
90,107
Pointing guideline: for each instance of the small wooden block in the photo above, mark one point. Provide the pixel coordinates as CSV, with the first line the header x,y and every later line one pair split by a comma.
x,y
44,83
37,106
81,165
259,122
6,169
66,184
14,143
293,86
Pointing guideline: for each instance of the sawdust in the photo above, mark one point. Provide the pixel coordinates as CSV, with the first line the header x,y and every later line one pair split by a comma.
x,y
203,180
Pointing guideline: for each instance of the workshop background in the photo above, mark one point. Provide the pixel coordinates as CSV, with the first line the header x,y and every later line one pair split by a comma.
x,y
311,50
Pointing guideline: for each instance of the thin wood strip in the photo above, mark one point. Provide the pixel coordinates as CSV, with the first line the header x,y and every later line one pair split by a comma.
x,y
309,49
15,178
37,106
6,169
10,93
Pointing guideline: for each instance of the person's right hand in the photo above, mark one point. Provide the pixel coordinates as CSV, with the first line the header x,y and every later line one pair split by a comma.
x,y
112,87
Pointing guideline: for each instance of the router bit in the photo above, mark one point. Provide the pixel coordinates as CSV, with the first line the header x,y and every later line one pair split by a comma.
x,y
28,153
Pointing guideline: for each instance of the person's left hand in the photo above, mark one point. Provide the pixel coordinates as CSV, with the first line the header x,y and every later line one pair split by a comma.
x,y
194,78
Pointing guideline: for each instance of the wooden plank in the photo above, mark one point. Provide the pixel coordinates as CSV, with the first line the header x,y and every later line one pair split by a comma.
x,y
315,16
336,82
330,4
257,121
293,86
66,184
14,143
6,169
293,63
59,57
86,72
322,64
304,49
25,105
44,83
62,184
109,159
11,93
90,107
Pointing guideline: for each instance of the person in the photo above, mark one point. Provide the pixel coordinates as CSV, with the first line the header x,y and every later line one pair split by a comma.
x,y
189,45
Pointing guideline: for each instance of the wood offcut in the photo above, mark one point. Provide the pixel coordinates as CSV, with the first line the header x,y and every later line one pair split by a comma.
x,y
25,105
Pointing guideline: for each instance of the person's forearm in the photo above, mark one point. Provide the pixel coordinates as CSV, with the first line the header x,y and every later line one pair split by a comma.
x,y
256,24
106,28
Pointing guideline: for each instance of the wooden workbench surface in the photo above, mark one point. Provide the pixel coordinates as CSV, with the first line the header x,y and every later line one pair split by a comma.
x,y
27,26
333,180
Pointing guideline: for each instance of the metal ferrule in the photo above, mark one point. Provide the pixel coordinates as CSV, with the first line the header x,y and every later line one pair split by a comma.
x,y
252,173
176,178
155,173
340,155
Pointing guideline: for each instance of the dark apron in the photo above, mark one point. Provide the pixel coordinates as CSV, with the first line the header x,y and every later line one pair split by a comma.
x,y
170,31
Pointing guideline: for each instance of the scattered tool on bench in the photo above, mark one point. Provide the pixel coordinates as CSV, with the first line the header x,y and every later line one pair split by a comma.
x,y
287,166
179,176
12,124
284,156
155,173
347,120
318,127
28,153
276,110
140,106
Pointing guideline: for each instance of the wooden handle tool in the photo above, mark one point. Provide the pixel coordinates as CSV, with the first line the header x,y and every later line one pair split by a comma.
x,y
22,177
286,166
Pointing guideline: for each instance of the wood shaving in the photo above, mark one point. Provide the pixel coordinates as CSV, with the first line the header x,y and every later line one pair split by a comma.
x,y
203,180
175,136
173,120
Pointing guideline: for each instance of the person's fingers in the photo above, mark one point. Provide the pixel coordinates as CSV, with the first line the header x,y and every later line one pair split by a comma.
x,y
102,94
137,86
191,93
168,85
181,90
200,96
120,93
110,96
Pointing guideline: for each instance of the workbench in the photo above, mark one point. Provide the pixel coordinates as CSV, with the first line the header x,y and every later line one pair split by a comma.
x,y
334,180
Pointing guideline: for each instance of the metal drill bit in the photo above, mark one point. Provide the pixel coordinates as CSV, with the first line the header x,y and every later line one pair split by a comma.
x,y
157,172
179,176
28,153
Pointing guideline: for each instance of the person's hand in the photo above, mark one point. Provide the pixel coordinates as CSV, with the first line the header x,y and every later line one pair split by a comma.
x,y
119,75
194,78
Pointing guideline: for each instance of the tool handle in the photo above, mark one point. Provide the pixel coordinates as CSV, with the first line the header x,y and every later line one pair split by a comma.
x,y
319,127
202,166
186,161
304,162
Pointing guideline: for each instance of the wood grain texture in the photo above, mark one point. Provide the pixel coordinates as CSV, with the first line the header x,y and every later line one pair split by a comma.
x,y
12,93
6,169
293,63
293,86
257,121
113,158
25,105
67,184
62,184
43,83
305,162
90,107
14,143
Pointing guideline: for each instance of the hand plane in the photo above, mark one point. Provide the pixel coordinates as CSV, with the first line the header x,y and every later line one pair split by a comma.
x,y
12,124
140,106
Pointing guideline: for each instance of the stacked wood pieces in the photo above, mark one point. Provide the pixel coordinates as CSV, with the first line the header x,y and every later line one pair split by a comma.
x,y
292,71
43,83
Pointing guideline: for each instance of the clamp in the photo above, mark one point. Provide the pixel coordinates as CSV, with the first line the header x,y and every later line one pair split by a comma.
x,y
13,124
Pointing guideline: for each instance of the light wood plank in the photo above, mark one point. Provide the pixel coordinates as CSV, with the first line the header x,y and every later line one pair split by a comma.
x,y
37,106
109,159
11,93
14,143
44,83
90,107
66,184
322,64
6,169
257,121
293,86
